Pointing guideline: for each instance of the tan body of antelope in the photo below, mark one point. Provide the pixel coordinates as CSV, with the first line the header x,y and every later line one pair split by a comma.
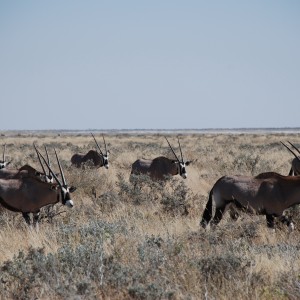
x,y
95,158
161,167
267,194
29,194
295,167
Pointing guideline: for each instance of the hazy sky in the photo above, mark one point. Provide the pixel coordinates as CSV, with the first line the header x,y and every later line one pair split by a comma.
x,y
149,64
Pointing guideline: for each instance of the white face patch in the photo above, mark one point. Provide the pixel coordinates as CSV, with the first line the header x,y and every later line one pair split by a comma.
x,y
105,161
291,227
182,170
3,164
69,203
47,179
66,192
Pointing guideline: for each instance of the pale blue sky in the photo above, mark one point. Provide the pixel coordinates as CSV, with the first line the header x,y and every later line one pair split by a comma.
x,y
149,64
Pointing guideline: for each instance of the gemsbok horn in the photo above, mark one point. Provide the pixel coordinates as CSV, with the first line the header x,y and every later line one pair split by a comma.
x,y
295,166
47,178
4,163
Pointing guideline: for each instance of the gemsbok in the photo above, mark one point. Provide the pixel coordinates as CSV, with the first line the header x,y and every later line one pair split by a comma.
x,y
3,162
28,170
267,194
29,194
295,167
97,159
24,171
160,168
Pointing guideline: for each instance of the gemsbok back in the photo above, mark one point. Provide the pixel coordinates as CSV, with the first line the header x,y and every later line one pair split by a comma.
x,y
267,194
161,167
29,194
295,167
97,159
3,162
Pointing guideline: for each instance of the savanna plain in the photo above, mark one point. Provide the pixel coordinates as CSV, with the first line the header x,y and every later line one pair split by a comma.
x,y
123,242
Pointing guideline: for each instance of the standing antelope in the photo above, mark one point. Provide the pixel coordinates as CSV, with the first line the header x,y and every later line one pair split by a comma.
x,y
27,170
29,194
3,163
295,168
267,194
24,171
161,167
98,159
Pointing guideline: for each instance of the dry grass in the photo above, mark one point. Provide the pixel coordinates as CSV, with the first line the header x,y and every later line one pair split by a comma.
x,y
120,243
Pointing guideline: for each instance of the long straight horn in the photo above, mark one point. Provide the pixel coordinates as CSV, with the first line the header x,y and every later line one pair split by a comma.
x,y
37,153
97,144
60,169
104,144
53,174
172,149
4,152
48,159
290,150
180,150
294,147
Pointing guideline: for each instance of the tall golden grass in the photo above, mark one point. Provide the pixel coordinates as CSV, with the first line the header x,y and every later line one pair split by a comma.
x,y
127,250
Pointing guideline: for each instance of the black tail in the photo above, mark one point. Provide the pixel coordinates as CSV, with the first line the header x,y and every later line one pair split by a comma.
x,y
207,214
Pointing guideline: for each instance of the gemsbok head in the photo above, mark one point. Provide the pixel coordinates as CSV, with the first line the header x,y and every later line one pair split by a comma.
x,y
267,194
96,158
28,194
295,167
3,162
160,168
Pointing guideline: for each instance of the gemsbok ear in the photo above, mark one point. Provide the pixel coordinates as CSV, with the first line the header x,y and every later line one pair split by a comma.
x,y
175,162
188,162
72,189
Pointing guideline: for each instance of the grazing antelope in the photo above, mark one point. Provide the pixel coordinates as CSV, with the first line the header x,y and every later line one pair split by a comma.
x,y
24,171
98,159
27,170
161,167
29,194
267,194
3,163
295,168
